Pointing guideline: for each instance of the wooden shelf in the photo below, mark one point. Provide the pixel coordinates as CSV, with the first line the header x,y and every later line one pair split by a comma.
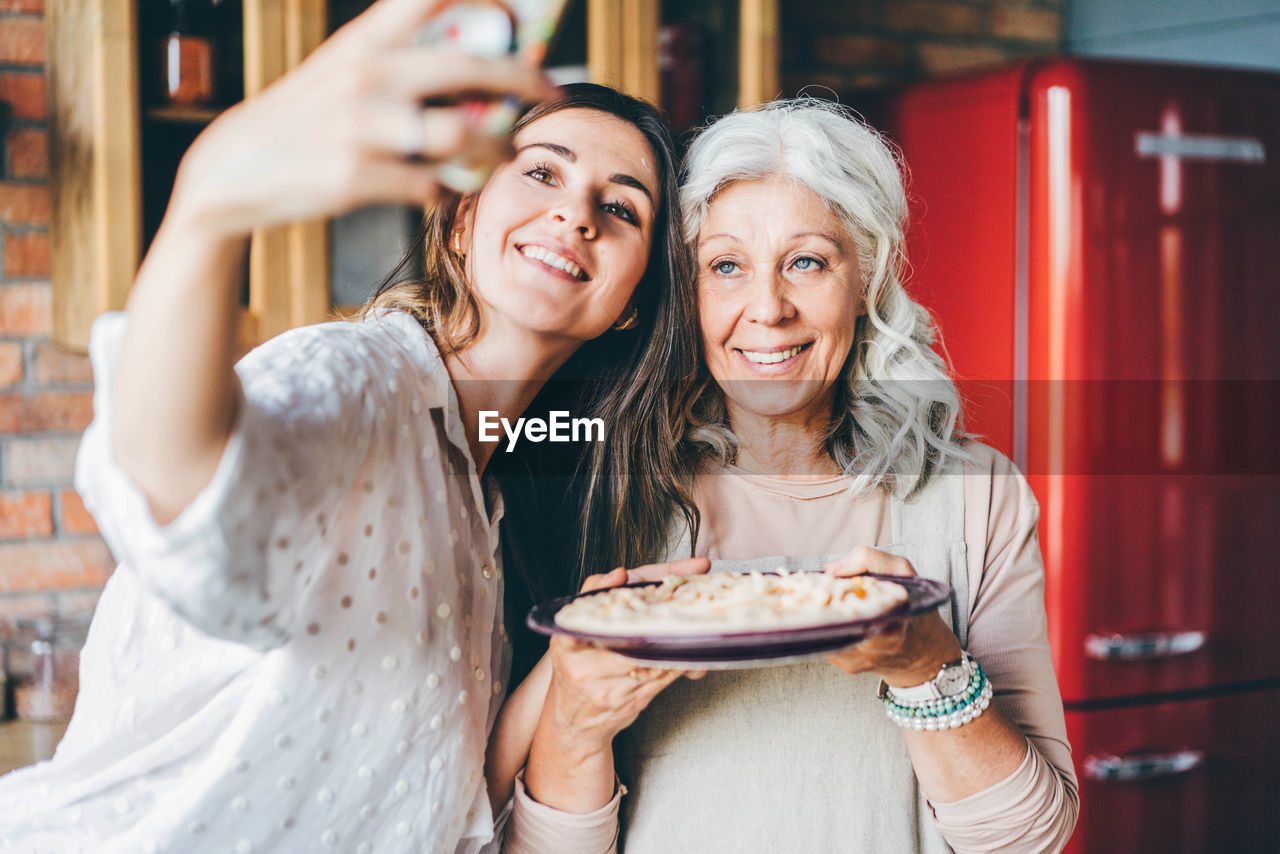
x,y
182,115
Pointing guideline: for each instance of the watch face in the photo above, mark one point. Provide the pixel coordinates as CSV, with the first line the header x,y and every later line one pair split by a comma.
x,y
952,680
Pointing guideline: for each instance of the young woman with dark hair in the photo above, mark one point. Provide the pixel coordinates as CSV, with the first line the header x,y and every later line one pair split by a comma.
x,y
303,645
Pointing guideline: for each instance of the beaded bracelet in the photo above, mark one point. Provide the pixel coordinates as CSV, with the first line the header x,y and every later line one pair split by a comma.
x,y
947,712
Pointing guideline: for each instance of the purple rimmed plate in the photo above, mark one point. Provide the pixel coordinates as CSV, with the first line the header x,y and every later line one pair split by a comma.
x,y
739,650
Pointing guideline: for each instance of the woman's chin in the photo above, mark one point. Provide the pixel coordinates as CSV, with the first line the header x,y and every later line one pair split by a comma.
x,y
549,319
774,398
548,305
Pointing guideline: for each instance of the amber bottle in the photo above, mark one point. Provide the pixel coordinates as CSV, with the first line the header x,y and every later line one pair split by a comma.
x,y
189,57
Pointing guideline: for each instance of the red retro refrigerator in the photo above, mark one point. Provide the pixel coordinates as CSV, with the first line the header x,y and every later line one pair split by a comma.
x,y
1100,243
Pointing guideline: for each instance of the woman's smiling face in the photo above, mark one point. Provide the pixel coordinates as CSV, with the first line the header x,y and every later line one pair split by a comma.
x,y
779,296
559,238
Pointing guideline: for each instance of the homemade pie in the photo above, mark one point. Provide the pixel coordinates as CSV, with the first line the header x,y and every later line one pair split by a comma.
x,y
729,602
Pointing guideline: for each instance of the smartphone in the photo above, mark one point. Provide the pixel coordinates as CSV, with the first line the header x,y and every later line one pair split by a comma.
x,y
490,32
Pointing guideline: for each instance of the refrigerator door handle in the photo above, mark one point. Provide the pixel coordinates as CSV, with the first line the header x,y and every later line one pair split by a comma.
x,y
1138,647
1108,768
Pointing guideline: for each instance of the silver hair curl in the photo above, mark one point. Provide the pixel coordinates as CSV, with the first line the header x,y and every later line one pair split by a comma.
x,y
897,415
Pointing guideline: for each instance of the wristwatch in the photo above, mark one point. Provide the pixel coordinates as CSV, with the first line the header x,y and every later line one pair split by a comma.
x,y
951,681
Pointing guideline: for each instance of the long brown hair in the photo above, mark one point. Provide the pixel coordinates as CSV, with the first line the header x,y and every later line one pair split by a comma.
x,y
614,496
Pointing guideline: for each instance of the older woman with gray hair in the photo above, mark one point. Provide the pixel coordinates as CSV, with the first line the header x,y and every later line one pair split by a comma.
x,y
821,424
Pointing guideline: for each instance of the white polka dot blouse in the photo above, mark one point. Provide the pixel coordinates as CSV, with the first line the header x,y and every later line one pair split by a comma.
x,y
310,656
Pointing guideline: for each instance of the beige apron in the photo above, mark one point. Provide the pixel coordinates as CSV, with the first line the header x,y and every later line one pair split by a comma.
x,y
792,758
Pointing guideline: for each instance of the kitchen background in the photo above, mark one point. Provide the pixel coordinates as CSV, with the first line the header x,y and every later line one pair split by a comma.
x,y
861,52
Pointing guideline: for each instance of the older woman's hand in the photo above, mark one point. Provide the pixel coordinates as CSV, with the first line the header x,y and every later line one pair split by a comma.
x,y
593,695
908,653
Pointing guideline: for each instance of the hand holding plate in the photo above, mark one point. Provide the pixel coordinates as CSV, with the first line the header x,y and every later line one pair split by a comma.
x,y
905,653
595,694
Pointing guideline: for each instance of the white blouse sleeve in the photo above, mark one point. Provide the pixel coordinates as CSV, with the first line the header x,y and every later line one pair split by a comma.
x,y
226,563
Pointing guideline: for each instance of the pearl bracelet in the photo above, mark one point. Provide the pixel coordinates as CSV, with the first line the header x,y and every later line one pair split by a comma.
x,y
946,712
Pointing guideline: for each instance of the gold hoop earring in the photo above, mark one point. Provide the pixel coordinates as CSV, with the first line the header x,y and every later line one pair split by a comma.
x,y
630,320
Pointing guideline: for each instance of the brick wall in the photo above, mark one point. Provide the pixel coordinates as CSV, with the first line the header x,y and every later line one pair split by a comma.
x,y
862,48
50,553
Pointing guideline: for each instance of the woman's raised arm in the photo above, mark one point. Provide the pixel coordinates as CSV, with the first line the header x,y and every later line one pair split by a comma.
x,y
344,129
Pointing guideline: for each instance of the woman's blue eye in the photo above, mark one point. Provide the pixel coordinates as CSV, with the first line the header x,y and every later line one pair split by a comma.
x,y
724,268
805,264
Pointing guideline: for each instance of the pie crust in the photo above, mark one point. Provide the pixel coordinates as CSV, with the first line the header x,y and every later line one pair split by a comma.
x,y
728,603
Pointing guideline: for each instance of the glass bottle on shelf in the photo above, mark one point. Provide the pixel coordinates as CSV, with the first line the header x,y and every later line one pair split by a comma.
x,y
189,63
51,644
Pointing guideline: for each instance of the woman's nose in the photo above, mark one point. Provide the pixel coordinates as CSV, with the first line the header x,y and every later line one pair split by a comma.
x,y
767,300
577,214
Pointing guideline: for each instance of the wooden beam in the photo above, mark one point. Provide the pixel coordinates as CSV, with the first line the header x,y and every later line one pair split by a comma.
x,y
264,44
264,63
306,25
640,40
289,265
604,47
622,45
246,332
94,161
758,39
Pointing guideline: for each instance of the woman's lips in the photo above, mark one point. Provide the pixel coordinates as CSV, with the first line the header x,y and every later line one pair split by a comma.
x,y
554,262
775,360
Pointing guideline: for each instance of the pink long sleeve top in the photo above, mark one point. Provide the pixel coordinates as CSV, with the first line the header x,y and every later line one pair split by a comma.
x,y
747,516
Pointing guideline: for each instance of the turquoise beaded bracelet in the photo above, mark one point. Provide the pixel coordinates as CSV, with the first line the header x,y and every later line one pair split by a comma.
x,y
946,712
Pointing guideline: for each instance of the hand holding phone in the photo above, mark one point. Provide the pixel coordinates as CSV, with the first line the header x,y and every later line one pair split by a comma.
x,y
490,31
